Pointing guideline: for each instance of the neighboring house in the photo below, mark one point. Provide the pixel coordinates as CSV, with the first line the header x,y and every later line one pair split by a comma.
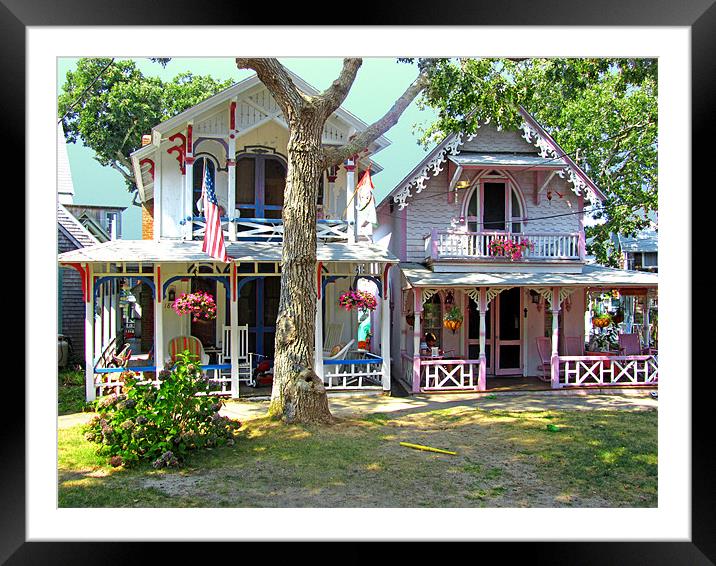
x,y
103,222
452,222
240,136
72,235
640,252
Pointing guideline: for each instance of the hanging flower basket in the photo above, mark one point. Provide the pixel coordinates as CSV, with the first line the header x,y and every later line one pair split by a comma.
x,y
200,305
453,319
507,248
602,321
357,300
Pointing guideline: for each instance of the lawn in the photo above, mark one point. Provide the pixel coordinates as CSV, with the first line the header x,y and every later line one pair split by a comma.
x,y
566,458
71,392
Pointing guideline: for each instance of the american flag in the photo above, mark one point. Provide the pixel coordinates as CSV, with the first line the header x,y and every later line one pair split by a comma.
x,y
213,235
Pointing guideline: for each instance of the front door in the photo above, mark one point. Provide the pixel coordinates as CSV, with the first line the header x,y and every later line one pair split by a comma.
x,y
503,347
258,308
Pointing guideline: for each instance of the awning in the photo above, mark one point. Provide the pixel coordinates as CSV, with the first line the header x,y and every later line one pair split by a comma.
x,y
178,251
506,159
591,276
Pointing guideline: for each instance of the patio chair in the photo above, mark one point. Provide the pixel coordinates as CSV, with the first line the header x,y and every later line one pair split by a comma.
x,y
244,357
544,350
334,331
630,345
331,369
192,343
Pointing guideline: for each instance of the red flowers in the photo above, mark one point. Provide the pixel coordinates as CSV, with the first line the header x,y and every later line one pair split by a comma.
x,y
509,248
200,305
358,300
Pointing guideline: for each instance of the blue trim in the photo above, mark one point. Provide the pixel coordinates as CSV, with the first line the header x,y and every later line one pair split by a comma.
x,y
119,370
101,280
373,360
373,278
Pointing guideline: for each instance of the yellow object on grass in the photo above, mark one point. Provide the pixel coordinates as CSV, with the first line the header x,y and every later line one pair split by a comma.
x,y
428,448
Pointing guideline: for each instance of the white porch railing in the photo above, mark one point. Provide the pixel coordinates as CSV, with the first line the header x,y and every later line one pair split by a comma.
x,y
607,371
354,373
467,245
265,229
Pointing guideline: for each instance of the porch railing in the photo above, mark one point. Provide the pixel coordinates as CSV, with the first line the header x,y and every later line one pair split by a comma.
x,y
354,373
608,371
450,375
265,229
476,245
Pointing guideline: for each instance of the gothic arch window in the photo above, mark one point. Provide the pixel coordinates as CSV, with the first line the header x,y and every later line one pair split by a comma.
x,y
495,204
260,185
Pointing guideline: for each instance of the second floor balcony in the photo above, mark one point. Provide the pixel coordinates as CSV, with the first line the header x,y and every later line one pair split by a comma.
x,y
263,229
498,246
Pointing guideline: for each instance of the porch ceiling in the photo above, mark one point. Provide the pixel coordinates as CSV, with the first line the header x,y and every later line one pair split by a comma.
x,y
177,251
591,276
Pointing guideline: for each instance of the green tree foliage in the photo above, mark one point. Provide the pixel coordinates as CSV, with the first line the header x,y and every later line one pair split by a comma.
x,y
603,112
109,104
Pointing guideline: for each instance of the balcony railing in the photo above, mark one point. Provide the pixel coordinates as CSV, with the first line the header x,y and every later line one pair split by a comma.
x,y
265,229
441,245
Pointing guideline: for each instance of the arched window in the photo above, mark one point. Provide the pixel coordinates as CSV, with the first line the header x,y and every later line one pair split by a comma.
x,y
260,185
494,205
198,172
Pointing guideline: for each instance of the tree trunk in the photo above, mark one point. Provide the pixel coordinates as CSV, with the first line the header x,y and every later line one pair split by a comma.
x,y
298,394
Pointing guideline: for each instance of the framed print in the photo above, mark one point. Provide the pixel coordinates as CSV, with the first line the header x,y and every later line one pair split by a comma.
x,y
680,529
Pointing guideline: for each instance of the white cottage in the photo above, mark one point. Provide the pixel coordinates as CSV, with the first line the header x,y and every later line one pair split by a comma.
x,y
241,137
493,282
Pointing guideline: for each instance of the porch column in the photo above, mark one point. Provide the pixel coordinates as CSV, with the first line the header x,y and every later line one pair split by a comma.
x,y
318,334
554,360
350,201
188,182
417,334
234,322
482,376
106,328
157,224
231,172
385,330
647,325
97,324
113,287
90,391
158,322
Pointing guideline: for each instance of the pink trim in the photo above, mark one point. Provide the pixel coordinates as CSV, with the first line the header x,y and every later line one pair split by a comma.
x,y
232,117
189,140
158,284
151,168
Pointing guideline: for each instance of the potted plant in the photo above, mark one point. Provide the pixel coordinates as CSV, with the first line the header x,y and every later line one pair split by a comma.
x,y
601,320
507,247
453,319
357,300
200,305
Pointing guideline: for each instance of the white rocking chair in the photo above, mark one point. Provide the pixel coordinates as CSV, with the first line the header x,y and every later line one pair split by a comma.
x,y
244,357
334,331
331,369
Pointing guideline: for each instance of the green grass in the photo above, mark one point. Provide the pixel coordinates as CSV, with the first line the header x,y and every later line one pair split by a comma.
x,y
599,458
71,392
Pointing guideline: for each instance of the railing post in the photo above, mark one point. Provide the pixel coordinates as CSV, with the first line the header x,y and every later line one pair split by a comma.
x,y
554,360
434,244
482,376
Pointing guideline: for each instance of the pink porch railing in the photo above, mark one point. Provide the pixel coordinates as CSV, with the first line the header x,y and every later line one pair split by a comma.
x,y
471,245
584,371
432,375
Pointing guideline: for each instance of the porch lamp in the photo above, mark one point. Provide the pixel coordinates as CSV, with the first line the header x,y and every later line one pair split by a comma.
x,y
536,299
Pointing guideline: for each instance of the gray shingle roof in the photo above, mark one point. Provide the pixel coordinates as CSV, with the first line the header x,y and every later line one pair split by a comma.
x,y
73,228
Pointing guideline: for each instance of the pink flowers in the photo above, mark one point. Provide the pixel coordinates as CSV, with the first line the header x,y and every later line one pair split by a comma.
x,y
200,305
358,300
509,248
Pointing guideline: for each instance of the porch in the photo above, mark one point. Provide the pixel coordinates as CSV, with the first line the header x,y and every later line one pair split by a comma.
x,y
521,331
233,347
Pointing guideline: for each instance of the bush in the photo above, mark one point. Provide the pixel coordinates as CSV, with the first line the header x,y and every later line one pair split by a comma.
x,y
161,425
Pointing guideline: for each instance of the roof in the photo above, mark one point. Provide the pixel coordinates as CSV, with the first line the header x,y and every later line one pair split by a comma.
x,y
179,251
73,228
645,241
506,159
591,276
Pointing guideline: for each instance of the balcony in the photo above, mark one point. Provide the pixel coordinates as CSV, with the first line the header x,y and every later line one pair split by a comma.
x,y
454,245
265,229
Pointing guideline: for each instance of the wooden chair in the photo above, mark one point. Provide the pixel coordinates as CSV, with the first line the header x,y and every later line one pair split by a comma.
x,y
331,369
544,350
334,331
244,357
180,344
630,345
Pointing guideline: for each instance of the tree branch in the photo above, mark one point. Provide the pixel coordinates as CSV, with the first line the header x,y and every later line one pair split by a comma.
x,y
334,95
374,131
279,83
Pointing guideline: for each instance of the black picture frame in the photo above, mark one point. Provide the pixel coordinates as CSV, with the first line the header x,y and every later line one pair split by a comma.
x,y
699,16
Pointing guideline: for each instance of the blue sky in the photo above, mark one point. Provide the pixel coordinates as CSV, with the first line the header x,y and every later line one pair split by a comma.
x,y
379,82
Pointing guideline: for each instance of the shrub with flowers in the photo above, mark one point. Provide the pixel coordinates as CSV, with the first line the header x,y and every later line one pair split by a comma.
x,y
509,248
357,300
200,305
163,424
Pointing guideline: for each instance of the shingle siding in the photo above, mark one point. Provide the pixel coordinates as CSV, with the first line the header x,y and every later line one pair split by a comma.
x,y
72,319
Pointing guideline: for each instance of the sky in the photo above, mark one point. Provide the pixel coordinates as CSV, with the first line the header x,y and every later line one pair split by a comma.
x,y
379,83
